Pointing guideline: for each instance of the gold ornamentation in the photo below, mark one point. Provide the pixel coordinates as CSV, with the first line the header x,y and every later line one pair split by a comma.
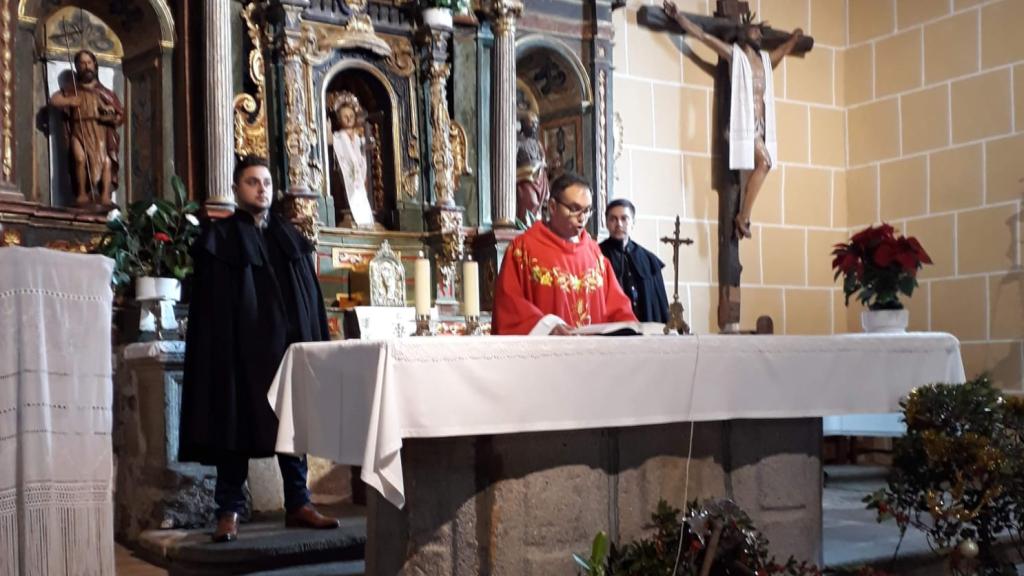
x,y
299,48
441,157
402,60
73,246
6,100
304,216
378,171
504,13
453,242
460,154
411,183
602,143
10,237
358,32
578,288
250,112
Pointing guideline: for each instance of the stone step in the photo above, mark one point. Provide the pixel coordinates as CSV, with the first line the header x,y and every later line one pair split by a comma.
x,y
264,546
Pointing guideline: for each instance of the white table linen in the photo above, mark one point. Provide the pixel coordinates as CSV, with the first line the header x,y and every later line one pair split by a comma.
x,y
355,401
56,395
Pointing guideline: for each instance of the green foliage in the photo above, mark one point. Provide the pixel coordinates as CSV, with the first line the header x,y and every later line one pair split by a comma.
x,y
718,526
153,240
958,474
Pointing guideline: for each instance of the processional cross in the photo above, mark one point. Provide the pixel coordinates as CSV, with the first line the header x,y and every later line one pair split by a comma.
x,y
725,25
675,310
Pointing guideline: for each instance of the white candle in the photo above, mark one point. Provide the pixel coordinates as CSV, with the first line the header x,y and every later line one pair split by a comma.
x,y
470,288
422,286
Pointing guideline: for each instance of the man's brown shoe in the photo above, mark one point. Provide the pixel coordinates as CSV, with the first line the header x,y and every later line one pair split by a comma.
x,y
308,517
227,528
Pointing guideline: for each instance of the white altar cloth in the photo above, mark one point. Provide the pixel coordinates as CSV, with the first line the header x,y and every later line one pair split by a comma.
x,y
354,401
56,395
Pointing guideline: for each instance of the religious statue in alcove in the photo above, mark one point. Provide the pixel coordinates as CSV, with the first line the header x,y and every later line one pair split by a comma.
x,y
93,114
753,144
350,146
531,170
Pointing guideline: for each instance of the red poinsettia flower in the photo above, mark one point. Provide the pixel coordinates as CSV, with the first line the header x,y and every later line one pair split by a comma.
x,y
879,265
162,237
919,250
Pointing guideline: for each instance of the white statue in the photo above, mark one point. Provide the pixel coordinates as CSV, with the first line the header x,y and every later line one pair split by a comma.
x,y
349,152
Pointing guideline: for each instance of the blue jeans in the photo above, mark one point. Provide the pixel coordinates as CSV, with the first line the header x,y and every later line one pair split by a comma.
x,y
233,470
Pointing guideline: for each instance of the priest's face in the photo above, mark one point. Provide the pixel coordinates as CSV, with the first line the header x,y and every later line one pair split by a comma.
x,y
570,211
255,190
619,222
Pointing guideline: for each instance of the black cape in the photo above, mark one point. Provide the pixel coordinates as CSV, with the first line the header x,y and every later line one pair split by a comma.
x,y
254,292
639,274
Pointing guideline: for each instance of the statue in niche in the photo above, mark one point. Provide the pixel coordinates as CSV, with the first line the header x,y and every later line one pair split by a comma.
x,y
93,114
531,170
350,145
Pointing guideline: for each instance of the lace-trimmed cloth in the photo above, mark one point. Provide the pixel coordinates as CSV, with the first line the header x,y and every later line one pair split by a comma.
x,y
56,511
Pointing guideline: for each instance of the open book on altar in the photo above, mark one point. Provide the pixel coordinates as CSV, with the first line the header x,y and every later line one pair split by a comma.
x,y
621,329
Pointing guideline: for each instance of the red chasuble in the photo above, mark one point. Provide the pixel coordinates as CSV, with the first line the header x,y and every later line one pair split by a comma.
x,y
544,274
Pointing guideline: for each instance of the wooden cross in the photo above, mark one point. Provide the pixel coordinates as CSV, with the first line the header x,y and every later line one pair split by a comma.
x,y
724,25
675,310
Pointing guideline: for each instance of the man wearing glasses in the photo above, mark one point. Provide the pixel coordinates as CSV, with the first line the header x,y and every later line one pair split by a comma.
x,y
554,278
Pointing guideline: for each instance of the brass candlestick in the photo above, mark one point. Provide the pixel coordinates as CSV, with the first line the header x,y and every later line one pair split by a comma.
x,y
473,326
423,325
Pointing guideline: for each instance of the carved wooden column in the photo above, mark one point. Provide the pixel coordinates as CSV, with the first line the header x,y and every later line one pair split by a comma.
x,y
297,43
8,186
219,130
503,15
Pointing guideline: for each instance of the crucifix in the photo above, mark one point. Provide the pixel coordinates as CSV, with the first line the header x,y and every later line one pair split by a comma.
x,y
675,310
744,142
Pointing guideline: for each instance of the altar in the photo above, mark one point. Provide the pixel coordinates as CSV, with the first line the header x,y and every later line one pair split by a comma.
x,y
508,454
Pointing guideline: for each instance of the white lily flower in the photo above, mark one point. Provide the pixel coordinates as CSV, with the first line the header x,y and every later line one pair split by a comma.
x,y
113,215
151,210
192,219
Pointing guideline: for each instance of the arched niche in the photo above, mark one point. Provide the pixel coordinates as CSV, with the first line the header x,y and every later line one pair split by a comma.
x,y
377,97
552,82
145,32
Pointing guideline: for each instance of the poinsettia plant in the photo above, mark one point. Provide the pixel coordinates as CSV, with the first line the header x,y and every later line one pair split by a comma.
x,y
878,265
154,238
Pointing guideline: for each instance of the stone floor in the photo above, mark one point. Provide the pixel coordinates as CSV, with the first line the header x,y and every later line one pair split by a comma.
x,y
127,564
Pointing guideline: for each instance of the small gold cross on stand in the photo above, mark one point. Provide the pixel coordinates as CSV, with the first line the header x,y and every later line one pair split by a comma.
x,y
675,310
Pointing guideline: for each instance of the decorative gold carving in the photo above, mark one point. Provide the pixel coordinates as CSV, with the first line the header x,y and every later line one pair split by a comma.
x,y
10,237
250,112
298,46
358,32
303,215
602,143
387,278
402,60
6,100
441,149
504,14
448,222
460,154
411,183
378,171
73,246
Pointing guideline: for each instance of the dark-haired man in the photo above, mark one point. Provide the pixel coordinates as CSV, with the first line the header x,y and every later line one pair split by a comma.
x,y
637,269
93,114
254,293
554,278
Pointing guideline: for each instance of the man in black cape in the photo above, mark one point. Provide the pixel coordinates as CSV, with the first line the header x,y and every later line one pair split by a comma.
x,y
637,269
254,292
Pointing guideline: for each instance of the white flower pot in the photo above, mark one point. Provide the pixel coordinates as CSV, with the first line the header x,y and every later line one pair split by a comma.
x,y
152,288
885,321
437,18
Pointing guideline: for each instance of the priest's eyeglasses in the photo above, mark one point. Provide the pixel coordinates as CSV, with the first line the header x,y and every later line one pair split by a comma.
x,y
576,211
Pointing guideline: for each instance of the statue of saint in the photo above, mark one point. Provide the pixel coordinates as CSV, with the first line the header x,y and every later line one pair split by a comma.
x,y
93,114
349,143
531,170
752,136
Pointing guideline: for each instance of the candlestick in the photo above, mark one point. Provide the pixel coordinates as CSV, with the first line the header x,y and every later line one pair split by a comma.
x,y
470,288
422,280
423,325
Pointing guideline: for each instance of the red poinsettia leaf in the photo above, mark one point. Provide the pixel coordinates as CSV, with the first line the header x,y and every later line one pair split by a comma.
x,y
884,255
921,254
162,237
908,261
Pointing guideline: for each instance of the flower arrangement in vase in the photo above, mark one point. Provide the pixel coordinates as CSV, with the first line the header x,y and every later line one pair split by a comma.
x,y
878,265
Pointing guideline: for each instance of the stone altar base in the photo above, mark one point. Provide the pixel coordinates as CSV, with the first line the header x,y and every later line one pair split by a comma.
x,y
523,503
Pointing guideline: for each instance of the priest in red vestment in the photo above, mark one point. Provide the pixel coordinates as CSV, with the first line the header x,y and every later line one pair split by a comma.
x,y
554,277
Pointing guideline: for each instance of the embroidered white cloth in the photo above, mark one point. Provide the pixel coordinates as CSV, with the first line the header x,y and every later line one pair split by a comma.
x,y
56,511
742,125
355,401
